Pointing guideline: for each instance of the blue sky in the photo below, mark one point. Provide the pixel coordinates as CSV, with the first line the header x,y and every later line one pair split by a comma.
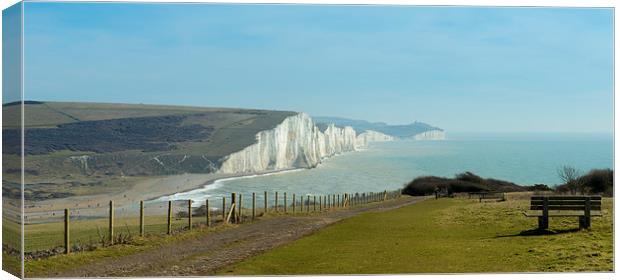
x,y
459,68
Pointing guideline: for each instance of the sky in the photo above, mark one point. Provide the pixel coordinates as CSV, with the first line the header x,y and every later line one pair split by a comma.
x,y
458,68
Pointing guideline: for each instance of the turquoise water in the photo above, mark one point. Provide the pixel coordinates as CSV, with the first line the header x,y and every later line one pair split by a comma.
x,y
521,158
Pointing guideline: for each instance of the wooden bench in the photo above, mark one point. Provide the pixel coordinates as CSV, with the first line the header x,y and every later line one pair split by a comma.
x,y
443,194
565,206
499,196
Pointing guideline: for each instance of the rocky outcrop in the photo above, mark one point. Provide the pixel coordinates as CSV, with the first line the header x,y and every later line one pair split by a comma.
x,y
295,143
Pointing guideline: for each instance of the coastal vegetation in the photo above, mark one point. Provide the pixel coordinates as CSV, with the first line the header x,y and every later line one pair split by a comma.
x,y
463,182
596,181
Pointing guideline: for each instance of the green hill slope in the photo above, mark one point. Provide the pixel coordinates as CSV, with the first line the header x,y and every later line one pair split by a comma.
x,y
70,143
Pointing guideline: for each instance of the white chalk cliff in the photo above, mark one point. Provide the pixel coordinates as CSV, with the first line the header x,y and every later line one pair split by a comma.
x,y
296,142
431,135
368,136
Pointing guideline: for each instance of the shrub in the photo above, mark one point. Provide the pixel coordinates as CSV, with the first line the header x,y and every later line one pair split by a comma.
x,y
469,177
464,182
425,185
539,188
599,181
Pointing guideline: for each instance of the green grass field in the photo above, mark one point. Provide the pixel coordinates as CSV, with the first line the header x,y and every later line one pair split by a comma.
x,y
46,236
64,169
50,235
48,266
443,236
155,238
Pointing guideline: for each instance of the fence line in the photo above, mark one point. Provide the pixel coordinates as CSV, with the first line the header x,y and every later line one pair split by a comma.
x,y
234,212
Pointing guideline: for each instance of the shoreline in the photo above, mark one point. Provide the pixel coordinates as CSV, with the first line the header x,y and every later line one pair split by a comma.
x,y
151,190
147,189
214,182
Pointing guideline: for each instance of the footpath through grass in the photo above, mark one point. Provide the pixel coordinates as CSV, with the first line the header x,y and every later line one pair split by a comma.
x,y
443,236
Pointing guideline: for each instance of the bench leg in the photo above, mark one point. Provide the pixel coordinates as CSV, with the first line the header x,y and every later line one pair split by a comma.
x,y
584,222
543,222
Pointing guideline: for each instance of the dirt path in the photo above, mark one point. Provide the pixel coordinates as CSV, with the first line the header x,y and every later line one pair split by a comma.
x,y
208,253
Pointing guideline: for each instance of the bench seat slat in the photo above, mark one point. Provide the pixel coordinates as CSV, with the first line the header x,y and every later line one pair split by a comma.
x,y
562,214
595,197
566,202
566,207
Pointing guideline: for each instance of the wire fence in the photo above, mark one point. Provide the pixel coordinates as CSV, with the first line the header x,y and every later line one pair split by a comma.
x,y
69,230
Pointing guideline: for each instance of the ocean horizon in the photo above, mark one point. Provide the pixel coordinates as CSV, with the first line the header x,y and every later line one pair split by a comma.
x,y
523,158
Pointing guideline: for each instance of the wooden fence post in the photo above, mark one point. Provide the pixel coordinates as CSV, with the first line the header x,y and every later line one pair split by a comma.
x,y
329,202
265,208
285,203
111,222
253,206
301,203
240,216
141,218
314,204
169,217
338,204
308,205
189,214
276,202
233,203
320,203
67,242
293,203
224,209
208,213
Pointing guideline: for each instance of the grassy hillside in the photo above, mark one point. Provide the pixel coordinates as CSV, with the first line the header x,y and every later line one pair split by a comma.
x,y
80,147
444,236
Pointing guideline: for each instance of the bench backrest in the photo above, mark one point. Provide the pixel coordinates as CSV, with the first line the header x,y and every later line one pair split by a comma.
x,y
492,195
486,195
568,203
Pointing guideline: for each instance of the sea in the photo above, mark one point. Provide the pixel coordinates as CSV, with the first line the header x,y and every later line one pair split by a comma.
x,y
522,158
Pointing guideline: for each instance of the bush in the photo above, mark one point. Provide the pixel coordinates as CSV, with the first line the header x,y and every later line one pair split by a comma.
x,y
464,182
425,185
539,187
469,177
599,181
456,186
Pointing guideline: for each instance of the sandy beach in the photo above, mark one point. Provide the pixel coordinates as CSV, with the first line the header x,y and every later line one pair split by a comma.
x,y
145,189
127,201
